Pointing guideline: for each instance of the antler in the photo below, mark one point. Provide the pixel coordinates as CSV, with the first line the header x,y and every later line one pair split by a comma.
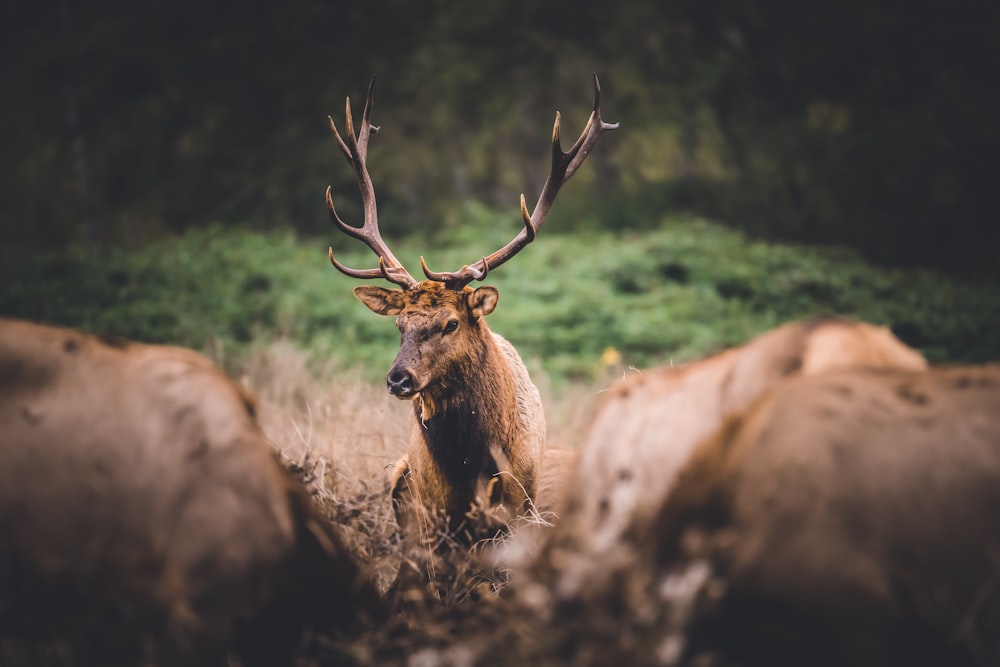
x,y
356,151
564,165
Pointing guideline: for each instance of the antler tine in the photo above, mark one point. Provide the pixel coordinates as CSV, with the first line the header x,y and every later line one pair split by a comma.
x,y
564,165
585,142
367,129
382,271
448,278
355,149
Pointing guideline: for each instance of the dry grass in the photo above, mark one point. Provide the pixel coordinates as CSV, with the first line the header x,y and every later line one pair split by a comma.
x,y
342,436
352,430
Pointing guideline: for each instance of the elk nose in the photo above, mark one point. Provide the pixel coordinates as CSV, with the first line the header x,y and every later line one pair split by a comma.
x,y
400,382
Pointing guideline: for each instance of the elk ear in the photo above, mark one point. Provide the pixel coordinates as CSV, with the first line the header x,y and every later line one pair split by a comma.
x,y
380,300
483,300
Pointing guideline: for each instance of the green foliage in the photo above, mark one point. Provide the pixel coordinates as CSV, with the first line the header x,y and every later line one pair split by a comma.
x,y
570,303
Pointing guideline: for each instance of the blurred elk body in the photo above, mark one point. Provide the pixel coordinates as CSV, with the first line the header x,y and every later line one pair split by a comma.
x,y
143,514
849,518
648,424
478,429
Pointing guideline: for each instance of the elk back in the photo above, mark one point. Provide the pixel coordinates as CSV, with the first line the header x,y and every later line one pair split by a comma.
x,y
851,519
142,512
650,421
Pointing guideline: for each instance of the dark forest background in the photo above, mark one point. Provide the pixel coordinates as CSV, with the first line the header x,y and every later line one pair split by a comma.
x,y
872,124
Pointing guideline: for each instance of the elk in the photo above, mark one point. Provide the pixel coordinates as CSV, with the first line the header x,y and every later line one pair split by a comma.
x,y
478,429
649,422
144,517
558,466
848,518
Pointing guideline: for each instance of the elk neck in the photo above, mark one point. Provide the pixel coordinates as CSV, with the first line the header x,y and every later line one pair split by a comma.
x,y
468,416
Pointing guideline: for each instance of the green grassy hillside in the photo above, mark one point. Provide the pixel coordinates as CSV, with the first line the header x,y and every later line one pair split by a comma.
x,y
572,304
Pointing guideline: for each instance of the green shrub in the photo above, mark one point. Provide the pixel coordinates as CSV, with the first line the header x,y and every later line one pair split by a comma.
x,y
571,303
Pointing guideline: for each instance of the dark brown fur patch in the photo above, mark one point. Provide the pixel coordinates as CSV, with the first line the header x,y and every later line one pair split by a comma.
x,y
604,506
30,415
911,394
249,402
842,390
430,295
113,341
970,381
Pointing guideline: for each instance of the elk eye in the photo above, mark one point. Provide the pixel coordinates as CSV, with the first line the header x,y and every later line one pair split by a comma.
x,y
450,326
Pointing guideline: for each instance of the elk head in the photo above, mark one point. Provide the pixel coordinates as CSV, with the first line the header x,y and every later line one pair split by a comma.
x,y
440,319
440,331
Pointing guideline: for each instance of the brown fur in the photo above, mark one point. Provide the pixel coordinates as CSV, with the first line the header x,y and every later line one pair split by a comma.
x,y
144,516
852,519
558,467
650,421
478,427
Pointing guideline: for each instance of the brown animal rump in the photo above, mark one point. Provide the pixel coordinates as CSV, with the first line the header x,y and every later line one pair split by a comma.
x,y
649,422
852,519
142,513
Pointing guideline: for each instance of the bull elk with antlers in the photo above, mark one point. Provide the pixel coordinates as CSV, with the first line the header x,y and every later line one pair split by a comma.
x,y
478,428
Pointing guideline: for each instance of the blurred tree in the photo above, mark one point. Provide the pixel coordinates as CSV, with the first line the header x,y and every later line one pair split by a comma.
x,y
855,121
836,120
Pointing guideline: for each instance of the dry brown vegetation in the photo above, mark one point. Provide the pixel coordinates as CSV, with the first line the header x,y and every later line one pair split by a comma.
x,y
339,434
342,435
